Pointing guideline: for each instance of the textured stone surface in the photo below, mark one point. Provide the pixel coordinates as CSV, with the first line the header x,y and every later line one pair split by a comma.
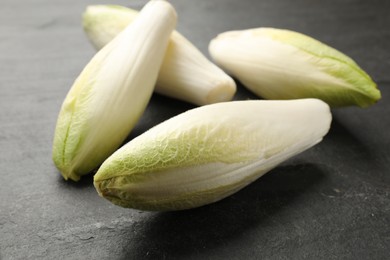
x,y
331,202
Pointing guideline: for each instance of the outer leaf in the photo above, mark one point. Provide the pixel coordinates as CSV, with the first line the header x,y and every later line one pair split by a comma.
x,y
111,93
210,152
185,74
282,64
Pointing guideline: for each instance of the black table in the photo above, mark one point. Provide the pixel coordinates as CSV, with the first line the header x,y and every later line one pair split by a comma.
x,y
330,202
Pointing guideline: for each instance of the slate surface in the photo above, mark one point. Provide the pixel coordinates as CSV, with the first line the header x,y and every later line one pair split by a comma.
x,y
331,202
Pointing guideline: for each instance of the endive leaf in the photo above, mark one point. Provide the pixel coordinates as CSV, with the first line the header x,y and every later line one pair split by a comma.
x,y
111,93
210,152
282,64
185,74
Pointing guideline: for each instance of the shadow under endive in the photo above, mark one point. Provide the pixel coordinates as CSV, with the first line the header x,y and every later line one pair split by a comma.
x,y
187,233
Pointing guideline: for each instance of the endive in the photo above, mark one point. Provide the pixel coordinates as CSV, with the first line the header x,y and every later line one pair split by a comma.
x,y
111,93
209,152
186,74
282,64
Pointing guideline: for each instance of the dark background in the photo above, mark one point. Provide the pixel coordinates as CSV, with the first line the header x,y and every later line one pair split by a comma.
x,y
330,202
